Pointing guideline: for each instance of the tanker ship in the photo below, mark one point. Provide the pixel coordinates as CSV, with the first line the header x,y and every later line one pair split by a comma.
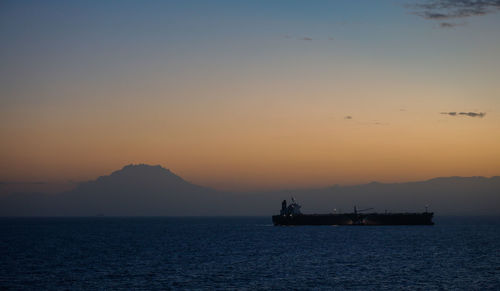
x,y
291,215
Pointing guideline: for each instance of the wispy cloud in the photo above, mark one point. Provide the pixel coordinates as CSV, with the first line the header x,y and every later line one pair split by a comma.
x,y
364,123
470,114
447,9
449,24
379,123
308,38
454,9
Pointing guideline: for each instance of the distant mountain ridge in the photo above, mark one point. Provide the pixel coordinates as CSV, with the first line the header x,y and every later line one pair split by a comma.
x,y
144,190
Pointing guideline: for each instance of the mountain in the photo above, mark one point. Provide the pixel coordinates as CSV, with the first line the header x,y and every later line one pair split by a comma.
x,y
140,190
143,190
133,190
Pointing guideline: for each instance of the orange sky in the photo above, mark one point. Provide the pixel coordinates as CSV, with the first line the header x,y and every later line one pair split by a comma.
x,y
249,108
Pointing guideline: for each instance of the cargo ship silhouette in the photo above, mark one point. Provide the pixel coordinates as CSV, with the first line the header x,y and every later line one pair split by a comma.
x,y
291,215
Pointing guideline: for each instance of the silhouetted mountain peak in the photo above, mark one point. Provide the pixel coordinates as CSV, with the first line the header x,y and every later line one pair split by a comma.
x,y
144,170
141,176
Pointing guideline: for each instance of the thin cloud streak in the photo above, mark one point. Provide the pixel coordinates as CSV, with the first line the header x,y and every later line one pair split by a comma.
x,y
449,24
308,38
453,9
469,114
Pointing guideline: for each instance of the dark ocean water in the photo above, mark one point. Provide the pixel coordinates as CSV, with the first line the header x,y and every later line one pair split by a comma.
x,y
245,253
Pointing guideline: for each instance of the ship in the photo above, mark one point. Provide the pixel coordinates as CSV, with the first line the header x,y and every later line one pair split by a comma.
x,y
291,215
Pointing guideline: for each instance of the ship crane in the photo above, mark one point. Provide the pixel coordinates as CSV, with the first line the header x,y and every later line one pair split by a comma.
x,y
356,211
358,219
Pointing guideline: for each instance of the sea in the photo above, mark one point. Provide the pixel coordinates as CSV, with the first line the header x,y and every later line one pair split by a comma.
x,y
246,253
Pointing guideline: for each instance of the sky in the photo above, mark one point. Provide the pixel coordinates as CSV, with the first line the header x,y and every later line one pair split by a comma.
x,y
240,95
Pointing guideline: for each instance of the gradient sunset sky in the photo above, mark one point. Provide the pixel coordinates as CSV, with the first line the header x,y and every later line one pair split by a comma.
x,y
245,95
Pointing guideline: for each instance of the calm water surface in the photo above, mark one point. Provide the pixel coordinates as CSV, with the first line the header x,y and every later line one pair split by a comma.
x,y
245,253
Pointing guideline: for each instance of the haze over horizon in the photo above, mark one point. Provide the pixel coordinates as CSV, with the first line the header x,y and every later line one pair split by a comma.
x,y
145,190
248,96
61,187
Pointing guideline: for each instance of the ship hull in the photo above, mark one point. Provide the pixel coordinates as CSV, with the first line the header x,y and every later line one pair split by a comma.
x,y
355,219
